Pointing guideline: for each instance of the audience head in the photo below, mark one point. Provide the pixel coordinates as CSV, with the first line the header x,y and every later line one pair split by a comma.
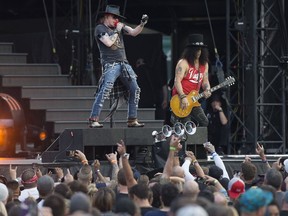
x,y
45,185
168,193
104,199
29,178
121,177
126,205
56,203
77,186
273,209
248,171
192,210
235,187
215,172
64,190
139,191
156,191
274,178
143,179
255,200
3,193
85,174
14,186
3,179
191,189
207,194
80,202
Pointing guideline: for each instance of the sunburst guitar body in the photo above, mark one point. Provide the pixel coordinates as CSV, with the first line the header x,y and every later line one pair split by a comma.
x,y
193,97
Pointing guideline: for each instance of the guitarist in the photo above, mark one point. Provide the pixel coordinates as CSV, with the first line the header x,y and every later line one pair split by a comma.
x,y
191,74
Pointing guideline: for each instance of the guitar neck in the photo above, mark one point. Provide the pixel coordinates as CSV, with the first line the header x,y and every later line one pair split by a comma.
x,y
211,90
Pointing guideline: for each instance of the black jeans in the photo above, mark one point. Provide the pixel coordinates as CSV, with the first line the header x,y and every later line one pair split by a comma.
x,y
197,115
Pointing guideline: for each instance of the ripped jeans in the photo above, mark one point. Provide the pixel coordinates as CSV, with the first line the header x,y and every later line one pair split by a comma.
x,y
128,77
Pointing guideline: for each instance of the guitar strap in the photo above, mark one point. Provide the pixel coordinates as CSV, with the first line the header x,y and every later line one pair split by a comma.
x,y
198,79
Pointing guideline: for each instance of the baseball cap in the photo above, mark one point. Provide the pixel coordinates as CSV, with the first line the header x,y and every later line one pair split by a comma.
x,y
235,187
286,165
254,198
3,192
215,172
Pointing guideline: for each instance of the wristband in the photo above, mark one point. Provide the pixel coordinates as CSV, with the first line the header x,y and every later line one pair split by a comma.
x,y
182,96
215,182
194,162
172,148
113,161
213,154
84,161
220,110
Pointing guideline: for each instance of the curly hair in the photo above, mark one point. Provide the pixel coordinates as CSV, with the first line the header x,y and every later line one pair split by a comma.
x,y
189,54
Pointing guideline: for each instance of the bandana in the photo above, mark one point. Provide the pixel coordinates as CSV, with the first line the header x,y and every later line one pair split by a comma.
x,y
32,180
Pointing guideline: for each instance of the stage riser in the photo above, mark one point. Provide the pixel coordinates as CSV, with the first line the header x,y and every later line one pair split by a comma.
x,y
58,91
13,58
103,140
30,69
23,80
79,115
62,103
6,47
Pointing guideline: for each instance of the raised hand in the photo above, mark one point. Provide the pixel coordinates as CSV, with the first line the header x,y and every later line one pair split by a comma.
x,y
144,19
121,148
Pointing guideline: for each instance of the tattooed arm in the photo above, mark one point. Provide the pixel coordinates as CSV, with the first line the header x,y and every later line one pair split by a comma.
x,y
108,40
181,69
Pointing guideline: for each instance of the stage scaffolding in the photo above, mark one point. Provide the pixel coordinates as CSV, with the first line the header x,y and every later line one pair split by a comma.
x,y
257,58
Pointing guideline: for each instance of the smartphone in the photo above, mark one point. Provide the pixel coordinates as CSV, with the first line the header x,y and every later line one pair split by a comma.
x,y
51,170
206,144
70,153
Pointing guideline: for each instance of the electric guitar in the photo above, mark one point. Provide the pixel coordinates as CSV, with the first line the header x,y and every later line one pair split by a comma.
x,y
193,97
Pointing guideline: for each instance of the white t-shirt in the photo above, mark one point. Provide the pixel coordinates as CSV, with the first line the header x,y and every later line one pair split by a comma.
x,y
31,192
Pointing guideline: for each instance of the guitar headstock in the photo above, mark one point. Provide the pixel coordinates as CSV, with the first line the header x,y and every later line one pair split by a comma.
x,y
229,81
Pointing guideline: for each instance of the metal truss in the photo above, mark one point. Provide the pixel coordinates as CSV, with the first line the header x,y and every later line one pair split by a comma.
x,y
256,58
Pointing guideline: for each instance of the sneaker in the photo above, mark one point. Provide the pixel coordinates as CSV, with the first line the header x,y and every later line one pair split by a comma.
x,y
134,123
94,124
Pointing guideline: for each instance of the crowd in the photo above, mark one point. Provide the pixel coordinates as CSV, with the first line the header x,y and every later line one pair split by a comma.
x,y
183,188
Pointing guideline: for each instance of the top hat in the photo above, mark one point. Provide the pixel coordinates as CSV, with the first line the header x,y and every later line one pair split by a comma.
x,y
114,10
195,40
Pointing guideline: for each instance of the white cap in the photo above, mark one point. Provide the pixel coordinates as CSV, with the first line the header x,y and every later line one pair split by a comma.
x,y
286,165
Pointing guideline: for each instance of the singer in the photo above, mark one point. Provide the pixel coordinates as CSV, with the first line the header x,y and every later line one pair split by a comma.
x,y
109,37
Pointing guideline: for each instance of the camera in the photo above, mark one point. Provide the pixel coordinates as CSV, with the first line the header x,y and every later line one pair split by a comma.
x,y
200,180
70,153
51,170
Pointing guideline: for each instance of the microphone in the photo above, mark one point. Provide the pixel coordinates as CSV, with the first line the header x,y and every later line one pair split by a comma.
x,y
144,18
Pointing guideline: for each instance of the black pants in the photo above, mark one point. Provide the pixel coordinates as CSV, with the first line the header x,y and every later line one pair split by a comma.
x,y
197,115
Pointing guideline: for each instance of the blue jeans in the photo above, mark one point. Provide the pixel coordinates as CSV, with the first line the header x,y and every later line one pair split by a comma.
x,y
128,77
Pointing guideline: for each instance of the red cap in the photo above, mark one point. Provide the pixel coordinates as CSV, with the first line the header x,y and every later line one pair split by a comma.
x,y
235,187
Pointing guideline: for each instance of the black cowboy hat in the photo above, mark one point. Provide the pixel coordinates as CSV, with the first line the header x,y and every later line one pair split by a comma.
x,y
114,10
195,40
